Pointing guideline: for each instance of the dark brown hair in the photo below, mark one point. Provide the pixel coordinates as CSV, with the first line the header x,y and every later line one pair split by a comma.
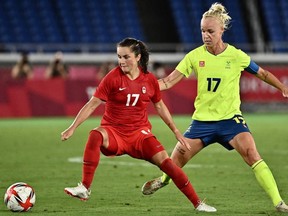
x,y
137,47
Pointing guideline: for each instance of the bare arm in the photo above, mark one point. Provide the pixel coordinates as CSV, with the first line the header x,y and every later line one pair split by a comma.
x,y
167,118
82,115
48,71
15,71
29,71
173,78
24,68
269,78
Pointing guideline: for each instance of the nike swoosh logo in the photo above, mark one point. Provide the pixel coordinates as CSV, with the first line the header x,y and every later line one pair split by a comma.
x,y
121,89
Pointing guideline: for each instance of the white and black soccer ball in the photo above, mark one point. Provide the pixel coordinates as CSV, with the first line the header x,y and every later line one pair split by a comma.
x,y
20,197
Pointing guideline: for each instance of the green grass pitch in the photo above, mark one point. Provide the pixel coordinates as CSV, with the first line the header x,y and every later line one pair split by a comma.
x,y
31,151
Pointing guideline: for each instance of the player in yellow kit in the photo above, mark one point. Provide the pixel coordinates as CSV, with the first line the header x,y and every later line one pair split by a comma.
x,y
217,117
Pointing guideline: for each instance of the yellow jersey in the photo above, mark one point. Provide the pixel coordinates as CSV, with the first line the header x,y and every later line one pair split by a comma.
x,y
218,81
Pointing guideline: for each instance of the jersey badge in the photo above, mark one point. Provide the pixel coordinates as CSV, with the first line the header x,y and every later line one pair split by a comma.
x,y
201,63
228,65
144,90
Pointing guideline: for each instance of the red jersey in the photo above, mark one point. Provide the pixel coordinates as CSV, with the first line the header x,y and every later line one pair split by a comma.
x,y
127,100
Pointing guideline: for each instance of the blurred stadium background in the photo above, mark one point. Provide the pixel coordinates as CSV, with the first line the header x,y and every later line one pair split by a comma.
x,y
86,31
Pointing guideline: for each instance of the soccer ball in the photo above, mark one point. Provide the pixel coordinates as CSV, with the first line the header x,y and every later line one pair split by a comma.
x,y
19,197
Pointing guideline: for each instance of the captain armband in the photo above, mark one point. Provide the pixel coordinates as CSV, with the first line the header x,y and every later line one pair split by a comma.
x,y
252,68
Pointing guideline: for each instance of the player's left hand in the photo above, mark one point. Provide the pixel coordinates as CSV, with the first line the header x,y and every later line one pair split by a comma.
x,y
285,91
182,140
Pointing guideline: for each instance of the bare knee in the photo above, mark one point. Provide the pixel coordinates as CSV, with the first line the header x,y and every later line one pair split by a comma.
x,y
246,147
158,158
181,155
251,156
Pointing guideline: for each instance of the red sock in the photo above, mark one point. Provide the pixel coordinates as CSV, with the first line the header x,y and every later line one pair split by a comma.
x,y
181,180
91,157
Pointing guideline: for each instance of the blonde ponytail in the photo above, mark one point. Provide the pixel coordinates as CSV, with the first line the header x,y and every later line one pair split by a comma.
x,y
219,11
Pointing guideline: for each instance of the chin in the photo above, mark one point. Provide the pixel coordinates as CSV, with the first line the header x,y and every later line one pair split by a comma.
x,y
125,71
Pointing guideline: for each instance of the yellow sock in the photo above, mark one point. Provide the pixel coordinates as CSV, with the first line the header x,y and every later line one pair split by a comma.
x,y
165,178
266,181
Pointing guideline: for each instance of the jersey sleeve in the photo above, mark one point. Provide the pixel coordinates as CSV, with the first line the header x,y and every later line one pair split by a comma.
x,y
102,90
157,95
247,64
185,66
243,59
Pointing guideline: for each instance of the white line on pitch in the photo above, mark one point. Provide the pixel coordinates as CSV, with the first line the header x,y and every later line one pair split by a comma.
x,y
124,163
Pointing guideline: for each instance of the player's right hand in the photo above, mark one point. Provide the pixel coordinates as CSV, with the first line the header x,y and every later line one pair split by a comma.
x,y
66,134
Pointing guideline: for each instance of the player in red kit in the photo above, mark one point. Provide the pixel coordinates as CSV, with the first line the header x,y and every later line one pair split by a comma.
x,y
125,129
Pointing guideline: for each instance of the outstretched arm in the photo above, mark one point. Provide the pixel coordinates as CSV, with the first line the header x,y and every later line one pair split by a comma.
x,y
269,78
167,118
169,81
82,115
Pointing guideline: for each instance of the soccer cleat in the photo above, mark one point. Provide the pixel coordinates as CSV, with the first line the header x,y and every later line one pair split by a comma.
x,y
152,186
203,207
80,192
282,207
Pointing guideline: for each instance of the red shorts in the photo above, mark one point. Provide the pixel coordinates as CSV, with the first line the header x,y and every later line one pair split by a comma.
x,y
141,144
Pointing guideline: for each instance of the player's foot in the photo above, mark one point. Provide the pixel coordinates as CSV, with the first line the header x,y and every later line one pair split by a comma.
x,y
152,186
80,192
203,207
282,207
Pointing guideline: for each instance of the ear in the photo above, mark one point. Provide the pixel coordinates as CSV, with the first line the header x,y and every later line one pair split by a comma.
x,y
222,29
138,57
